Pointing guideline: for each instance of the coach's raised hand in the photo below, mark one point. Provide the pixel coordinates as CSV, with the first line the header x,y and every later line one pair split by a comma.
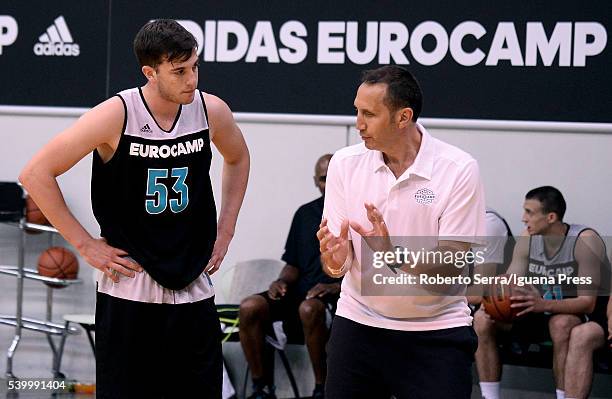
x,y
334,250
377,237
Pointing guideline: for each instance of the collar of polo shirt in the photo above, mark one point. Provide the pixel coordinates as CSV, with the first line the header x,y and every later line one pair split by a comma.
x,y
423,164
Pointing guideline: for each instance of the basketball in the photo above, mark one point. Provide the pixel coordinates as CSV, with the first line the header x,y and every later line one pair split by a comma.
x,y
497,303
58,262
34,214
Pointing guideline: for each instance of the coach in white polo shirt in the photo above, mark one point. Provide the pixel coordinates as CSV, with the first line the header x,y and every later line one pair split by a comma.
x,y
399,182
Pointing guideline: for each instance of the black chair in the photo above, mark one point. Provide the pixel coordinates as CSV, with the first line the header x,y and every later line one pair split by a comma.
x,y
12,202
228,315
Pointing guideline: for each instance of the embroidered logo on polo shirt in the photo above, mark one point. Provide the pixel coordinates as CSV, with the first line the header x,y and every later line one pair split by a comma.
x,y
424,196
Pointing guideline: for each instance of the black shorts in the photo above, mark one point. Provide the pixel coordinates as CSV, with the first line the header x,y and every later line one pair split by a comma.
x,y
530,328
371,363
286,309
533,327
599,314
155,351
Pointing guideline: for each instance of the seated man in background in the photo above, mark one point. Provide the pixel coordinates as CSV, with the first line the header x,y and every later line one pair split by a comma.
x,y
549,247
497,256
300,298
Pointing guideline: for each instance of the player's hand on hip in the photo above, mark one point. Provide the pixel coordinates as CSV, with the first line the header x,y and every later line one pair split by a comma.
x,y
377,237
277,289
334,250
218,253
109,260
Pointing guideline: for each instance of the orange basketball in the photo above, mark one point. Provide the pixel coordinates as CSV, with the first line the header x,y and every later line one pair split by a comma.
x,y
497,303
34,214
58,262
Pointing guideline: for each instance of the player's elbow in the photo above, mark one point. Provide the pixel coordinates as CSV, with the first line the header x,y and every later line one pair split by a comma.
x,y
33,174
590,303
474,299
25,176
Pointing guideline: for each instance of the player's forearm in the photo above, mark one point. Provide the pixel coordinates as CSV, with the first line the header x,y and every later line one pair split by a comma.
x,y
44,190
579,305
289,274
474,299
234,183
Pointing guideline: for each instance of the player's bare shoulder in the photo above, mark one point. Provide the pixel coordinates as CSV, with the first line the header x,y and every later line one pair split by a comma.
x,y
220,117
589,246
105,123
111,110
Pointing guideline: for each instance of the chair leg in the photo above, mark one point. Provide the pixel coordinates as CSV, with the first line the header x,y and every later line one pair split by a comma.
x,y
246,380
60,353
285,361
88,328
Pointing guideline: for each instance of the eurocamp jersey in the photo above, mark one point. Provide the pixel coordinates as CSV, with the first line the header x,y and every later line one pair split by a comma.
x,y
562,262
154,198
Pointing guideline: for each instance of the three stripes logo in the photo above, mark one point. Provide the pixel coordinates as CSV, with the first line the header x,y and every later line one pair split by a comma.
x,y
146,129
57,41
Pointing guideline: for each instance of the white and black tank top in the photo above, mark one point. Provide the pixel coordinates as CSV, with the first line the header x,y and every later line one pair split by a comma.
x,y
562,262
154,198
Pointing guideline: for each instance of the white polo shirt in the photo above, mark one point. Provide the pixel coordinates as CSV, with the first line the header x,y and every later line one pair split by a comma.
x,y
439,195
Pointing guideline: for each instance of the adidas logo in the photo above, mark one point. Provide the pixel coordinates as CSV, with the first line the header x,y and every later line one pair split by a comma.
x,y
57,41
146,129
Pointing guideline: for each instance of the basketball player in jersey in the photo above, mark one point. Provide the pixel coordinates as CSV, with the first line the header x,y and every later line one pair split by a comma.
x,y
157,330
550,247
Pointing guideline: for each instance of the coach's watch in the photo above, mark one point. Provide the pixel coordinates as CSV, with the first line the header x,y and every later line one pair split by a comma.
x,y
395,265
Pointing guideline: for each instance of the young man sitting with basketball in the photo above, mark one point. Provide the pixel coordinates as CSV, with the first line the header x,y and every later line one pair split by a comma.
x,y
549,247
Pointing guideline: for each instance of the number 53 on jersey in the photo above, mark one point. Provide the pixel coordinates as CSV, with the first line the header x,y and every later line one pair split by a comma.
x,y
157,192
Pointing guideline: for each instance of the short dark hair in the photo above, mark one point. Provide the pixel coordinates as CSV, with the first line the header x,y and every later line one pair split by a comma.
x,y
551,198
403,89
163,39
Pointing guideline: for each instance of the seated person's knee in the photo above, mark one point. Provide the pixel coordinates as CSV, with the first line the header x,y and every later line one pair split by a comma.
x,y
252,307
586,337
560,326
312,311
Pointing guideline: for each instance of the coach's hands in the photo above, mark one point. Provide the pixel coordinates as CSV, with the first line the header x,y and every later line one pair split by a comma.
x,y
378,237
320,290
334,250
218,253
109,260
277,289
